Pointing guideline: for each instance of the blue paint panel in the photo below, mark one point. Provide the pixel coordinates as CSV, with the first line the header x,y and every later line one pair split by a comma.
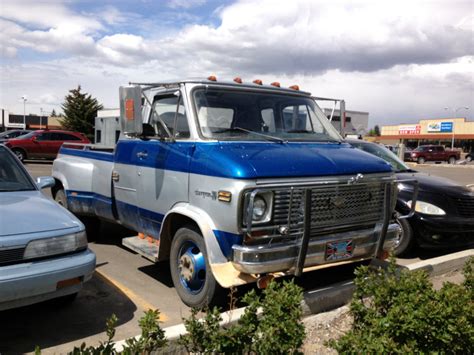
x,y
97,155
84,202
245,160
226,240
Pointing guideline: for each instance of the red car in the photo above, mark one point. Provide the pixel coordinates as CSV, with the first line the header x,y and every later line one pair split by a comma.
x,y
43,143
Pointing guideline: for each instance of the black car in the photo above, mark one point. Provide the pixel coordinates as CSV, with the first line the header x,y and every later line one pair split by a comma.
x,y
14,133
444,212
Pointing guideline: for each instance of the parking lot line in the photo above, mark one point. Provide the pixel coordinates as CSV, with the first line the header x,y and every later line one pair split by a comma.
x,y
139,301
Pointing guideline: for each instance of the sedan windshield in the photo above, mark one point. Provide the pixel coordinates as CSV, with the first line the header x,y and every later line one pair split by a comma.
x,y
237,115
381,152
12,176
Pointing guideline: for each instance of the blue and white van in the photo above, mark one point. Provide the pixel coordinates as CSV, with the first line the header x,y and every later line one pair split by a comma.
x,y
231,183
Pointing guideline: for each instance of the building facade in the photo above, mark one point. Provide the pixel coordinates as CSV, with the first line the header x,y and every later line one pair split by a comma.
x,y
357,122
450,132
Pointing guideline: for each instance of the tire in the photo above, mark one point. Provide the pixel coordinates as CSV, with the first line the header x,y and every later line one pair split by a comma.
x,y
421,160
61,198
452,160
469,158
190,269
406,240
20,154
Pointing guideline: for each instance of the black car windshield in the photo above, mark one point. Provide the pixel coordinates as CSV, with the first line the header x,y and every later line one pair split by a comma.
x,y
381,152
236,115
12,176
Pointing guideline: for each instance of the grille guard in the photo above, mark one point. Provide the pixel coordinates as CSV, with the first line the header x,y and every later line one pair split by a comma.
x,y
390,188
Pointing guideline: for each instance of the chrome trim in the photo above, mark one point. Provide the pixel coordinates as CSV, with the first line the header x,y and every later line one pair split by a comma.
x,y
281,257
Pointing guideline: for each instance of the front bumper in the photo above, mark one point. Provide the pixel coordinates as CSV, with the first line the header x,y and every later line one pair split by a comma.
x,y
27,283
443,231
282,256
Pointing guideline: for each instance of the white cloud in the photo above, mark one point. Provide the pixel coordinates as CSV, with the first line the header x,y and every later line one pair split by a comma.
x,y
394,59
185,4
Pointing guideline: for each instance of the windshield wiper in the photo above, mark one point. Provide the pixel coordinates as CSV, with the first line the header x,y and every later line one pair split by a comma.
x,y
299,131
267,137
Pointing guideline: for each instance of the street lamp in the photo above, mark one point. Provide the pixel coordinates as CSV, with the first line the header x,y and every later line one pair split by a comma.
x,y
455,110
24,111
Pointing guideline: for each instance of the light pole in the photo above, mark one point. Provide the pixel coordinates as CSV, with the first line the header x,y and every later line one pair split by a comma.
x,y
455,110
41,117
24,111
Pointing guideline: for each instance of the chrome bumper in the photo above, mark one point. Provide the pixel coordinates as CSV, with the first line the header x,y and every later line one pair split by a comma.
x,y
282,257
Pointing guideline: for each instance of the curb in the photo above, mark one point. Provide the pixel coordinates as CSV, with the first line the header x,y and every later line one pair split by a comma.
x,y
328,298
442,165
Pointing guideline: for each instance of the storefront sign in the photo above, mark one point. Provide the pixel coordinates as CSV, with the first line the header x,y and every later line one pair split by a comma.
x,y
435,127
411,129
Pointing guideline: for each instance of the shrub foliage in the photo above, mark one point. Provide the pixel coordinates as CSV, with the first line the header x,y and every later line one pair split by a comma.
x,y
397,311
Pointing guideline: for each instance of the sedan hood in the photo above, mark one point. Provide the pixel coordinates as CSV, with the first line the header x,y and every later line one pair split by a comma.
x,y
32,212
435,184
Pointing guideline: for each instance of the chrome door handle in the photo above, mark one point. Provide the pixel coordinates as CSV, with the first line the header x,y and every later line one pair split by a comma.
x,y
142,155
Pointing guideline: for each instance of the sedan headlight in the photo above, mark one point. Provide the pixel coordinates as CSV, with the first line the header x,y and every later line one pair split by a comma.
x,y
427,208
55,245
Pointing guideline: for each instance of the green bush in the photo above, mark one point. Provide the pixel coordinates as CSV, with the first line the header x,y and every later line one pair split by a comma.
x,y
400,312
276,330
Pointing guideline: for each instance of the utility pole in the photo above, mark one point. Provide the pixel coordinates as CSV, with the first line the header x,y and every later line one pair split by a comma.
x,y
24,111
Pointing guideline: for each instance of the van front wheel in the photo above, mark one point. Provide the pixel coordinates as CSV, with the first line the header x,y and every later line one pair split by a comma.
x,y
190,270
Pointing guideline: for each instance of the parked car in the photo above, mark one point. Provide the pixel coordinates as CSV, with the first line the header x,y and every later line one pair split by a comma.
x,y
14,133
426,153
444,213
43,143
470,157
43,247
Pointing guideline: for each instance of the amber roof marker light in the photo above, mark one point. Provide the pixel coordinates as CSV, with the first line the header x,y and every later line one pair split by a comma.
x,y
212,78
294,87
276,84
238,80
258,82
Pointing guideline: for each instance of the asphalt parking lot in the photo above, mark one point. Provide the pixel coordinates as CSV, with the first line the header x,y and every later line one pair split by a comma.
x,y
126,285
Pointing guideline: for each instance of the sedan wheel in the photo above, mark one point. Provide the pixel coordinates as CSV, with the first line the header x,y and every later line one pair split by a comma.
x,y
452,160
20,154
469,158
421,160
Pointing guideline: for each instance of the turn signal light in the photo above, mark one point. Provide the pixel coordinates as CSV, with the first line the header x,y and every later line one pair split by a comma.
x,y
275,83
141,235
294,87
257,81
212,78
238,80
68,282
224,196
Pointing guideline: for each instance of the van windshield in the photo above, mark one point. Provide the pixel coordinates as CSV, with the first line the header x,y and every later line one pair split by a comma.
x,y
246,115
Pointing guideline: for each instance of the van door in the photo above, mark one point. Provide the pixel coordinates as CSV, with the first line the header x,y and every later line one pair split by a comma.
x,y
163,167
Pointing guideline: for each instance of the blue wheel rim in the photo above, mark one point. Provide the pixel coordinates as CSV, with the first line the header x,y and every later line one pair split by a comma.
x,y
191,267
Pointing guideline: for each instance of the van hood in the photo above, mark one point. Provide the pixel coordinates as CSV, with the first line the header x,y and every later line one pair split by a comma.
x,y
27,212
274,160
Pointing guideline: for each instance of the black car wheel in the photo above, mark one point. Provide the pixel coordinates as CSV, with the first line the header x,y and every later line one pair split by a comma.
x,y
452,160
20,154
469,158
405,241
421,160
190,269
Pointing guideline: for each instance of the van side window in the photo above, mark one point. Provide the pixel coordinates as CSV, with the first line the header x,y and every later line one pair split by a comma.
x,y
172,112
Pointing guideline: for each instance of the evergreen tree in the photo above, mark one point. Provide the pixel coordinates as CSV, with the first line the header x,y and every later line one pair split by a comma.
x,y
80,111
377,130
53,113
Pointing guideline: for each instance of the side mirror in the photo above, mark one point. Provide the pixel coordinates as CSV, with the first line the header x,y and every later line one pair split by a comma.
x,y
131,110
44,182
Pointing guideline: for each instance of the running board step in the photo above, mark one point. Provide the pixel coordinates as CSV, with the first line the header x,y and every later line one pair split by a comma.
x,y
142,247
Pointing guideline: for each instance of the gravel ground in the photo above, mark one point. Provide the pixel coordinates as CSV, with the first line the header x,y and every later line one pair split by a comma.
x,y
323,327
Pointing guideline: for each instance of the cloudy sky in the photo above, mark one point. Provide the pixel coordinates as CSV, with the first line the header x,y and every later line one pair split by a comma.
x,y
399,60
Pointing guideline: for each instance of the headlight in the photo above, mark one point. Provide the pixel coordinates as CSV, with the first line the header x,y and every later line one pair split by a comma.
x,y
55,245
259,208
427,208
262,207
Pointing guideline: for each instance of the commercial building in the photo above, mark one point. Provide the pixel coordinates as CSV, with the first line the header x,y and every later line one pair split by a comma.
x,y
356,123
12,121
456,132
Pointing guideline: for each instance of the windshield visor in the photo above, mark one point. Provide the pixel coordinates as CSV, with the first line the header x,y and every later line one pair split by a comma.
x,y
246,115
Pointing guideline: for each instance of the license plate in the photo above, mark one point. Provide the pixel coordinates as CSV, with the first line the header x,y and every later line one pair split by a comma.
x,y
341,249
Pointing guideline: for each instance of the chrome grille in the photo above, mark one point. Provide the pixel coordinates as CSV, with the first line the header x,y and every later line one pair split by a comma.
x,y
335,206
11,255
465,206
